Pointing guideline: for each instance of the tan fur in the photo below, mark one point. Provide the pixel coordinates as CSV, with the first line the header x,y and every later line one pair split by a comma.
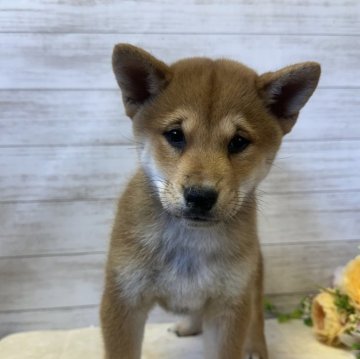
x,y
210,271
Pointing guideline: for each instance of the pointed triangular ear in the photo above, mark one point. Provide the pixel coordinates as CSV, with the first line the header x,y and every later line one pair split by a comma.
x,y
140,76
286,91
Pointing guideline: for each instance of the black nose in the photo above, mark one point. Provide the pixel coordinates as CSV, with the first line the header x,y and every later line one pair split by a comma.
x,y
200,198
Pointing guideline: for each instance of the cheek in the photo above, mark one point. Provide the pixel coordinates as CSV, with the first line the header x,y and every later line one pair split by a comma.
x,y
256,175
167,160
250,172
156,176
160,166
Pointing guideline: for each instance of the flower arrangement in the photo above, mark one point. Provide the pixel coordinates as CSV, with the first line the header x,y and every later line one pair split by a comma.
x,y
334,313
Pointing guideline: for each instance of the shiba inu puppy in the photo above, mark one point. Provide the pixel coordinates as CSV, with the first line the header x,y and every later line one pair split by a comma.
x,y
185,237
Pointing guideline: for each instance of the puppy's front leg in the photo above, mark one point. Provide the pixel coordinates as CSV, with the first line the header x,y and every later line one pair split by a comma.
x,y
122,327
256,345
190,325
225,333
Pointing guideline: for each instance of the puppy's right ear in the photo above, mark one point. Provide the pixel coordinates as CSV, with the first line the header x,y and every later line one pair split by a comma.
x,y
140,76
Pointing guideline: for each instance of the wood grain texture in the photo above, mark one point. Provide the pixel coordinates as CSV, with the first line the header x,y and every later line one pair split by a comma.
x,y
52,281
66,118
82,61
99,172
55,227
311,217
65,172
161,16
55,318
55,118
304,267
77,280
48,228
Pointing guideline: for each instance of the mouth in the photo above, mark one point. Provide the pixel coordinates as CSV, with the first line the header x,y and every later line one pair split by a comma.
x,y
194,218
199,219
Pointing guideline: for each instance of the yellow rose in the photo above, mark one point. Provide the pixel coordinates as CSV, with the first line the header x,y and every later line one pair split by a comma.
x,y
351,281
326,319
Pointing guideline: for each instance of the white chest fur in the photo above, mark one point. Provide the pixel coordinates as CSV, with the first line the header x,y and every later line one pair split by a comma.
x,y
190,266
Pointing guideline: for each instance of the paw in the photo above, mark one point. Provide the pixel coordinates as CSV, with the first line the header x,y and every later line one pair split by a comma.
x,y
255,356
257,349
185,329
252,356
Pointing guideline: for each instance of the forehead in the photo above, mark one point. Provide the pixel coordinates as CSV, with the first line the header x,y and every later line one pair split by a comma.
x,y
218,95
213,93
212,88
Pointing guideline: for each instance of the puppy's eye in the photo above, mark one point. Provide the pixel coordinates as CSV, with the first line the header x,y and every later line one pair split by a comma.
x,y
176,138
237,144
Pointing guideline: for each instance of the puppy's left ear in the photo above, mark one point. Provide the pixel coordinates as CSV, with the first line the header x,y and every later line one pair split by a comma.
x,y
140,76
286,91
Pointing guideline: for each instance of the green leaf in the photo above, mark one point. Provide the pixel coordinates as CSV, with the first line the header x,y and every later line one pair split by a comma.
x,y
296,314
308,322
356,346
283,318
342,302
269,307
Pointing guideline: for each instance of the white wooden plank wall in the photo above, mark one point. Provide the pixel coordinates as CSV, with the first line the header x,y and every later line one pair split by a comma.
x,y
66,150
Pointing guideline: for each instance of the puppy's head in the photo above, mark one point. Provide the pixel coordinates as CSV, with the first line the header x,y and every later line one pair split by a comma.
x,y
208,131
